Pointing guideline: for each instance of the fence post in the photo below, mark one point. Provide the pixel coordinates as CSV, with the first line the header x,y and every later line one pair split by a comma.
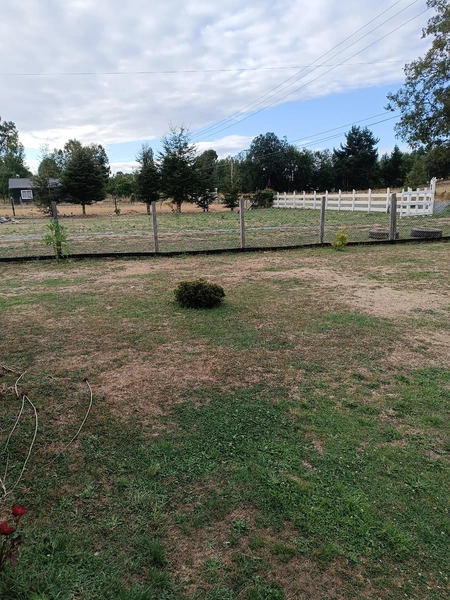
x,y
369,200
315,198
388,195
155,228
54,211
393,219
339,200
242,221
322,219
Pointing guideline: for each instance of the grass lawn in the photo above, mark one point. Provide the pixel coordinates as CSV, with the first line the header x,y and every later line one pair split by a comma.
x,y
101,231
293,443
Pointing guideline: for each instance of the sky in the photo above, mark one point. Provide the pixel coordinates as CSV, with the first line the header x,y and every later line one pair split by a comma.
x,y
119,73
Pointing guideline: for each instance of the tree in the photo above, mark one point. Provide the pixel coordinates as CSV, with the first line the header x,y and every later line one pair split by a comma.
x,y
356,161
267,152
47,183
179,179
206,164
424,100
121,185
323,175
230,190
392,168
147,178
12,156
298,169
84,175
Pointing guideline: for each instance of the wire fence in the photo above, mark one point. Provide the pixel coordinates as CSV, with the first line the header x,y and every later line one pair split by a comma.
x,y
219,229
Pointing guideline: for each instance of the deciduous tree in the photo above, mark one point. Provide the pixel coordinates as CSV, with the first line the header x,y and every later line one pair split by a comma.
x,y
424,100
12,156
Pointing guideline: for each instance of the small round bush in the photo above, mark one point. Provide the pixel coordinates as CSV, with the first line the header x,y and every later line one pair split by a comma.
x,y
264,198
199,294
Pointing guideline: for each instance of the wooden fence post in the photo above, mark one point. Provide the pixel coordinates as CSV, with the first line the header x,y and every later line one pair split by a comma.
x,y
393,219
155,228
242,221
54,211
322,219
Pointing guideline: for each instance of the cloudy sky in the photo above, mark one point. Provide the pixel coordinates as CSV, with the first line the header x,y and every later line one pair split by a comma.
x,y
117,73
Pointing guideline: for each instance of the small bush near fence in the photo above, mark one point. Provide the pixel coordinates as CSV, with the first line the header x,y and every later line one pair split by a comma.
x,y
264,198
340,240
199,294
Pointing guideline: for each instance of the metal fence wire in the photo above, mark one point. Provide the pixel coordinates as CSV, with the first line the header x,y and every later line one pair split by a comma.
x,y
133,230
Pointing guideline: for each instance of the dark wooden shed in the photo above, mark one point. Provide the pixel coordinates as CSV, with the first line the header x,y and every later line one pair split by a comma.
x,y
21,190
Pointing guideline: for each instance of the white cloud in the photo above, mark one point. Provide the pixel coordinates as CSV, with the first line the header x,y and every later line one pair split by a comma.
x,y
48,39
227,146
124,166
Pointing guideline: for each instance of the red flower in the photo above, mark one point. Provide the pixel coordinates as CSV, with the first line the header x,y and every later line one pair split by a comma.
x,y
18,511
5,530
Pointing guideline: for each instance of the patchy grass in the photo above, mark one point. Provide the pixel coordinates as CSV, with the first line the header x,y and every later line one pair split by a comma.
x,y
194,230
293,442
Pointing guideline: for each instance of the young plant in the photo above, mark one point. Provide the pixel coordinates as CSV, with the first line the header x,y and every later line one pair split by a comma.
x,y
340,240
198,294
57,239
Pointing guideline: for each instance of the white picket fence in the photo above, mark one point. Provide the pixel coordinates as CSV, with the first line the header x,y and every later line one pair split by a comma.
x,y
409,202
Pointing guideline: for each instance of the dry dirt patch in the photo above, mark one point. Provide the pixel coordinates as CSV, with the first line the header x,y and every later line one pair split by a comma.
x,y
299,578
150,386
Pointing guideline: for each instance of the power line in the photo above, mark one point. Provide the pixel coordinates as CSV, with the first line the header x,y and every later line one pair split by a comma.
x,y
312,80
273,92
189,71
314,142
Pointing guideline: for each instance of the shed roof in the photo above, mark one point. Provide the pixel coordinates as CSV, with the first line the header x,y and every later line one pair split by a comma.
x,y
20,183
25,183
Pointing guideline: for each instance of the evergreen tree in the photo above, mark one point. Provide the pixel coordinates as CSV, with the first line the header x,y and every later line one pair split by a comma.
x,y
179,178
84,178
147,178
356,161
392,171
206,165
231,189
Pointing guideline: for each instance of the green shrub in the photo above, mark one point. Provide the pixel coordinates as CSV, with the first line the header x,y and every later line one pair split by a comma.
x,y
56,238
264,198
340,240
199,294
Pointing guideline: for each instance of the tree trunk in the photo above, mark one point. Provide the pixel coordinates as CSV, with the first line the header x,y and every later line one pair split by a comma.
x,y
148,208
83,205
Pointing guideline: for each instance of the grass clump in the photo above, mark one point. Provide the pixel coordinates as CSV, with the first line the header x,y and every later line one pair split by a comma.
x,y
199,294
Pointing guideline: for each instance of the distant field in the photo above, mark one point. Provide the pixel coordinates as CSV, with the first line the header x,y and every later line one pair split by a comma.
x,y
293,443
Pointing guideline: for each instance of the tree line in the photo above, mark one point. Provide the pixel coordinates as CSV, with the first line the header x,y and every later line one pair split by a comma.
x,y
179,173
81,173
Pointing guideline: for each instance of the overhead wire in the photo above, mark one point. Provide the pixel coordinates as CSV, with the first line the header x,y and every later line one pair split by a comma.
x,y
189,71
212,129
